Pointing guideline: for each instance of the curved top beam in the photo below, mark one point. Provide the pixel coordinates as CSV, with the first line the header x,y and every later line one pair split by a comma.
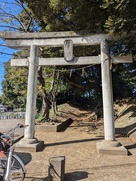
x,y
56,39
40,35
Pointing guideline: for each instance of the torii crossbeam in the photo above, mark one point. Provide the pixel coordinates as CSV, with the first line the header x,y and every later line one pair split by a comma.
x,y
57,39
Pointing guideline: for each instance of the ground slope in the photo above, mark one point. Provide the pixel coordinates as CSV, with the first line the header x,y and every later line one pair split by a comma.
x,y
90,119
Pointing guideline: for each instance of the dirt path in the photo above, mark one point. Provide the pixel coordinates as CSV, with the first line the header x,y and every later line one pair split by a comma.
x,y
82,161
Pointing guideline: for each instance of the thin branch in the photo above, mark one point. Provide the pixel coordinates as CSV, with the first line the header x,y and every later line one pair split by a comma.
x,y
10,27
4,13
29,14
13,16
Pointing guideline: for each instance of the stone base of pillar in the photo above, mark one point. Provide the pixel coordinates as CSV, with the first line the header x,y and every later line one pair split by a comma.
x,y
111,148
29,145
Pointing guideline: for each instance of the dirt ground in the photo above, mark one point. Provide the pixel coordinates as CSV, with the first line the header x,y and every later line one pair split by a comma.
x,y
78,144
82,160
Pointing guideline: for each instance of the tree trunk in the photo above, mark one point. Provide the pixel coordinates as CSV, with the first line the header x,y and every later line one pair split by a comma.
x,y
53,92
45,100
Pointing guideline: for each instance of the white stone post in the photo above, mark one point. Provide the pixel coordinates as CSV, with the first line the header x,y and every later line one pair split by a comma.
x,y
109,128
31,94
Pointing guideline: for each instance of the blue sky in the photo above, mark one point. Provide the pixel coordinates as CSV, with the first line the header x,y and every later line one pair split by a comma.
x,y
5,55
7,8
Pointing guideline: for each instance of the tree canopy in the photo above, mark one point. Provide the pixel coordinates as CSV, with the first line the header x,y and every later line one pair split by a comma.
x,y
96,16
57,15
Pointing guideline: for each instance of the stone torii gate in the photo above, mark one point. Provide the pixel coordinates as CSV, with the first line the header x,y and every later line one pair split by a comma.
x,y
67,40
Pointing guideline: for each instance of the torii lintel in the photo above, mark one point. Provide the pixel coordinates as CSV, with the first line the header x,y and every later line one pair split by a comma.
x,y
55,39
76,61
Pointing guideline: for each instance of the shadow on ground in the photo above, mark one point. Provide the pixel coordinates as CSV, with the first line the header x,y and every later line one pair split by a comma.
x,y
77,175
127,130
70,142
72,176
36,179
25,157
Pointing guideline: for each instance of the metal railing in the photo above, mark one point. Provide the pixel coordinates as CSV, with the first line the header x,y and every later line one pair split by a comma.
x,y
12,115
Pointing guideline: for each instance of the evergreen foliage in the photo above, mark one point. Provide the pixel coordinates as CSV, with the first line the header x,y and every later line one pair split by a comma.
x,y
96,16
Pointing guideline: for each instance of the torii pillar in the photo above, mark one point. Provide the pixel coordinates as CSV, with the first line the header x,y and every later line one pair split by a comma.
x,y
29,142
109,145
31,94
56,39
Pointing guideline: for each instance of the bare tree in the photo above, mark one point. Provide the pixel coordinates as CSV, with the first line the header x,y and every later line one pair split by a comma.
x,y
10,19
